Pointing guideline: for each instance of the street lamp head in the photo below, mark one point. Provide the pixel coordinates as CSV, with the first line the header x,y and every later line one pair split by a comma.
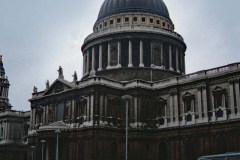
x,y
126,97
43,141
58,131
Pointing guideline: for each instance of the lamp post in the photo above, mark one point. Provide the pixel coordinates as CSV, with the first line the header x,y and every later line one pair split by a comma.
x,y
33,147
58,131
43,142
126,98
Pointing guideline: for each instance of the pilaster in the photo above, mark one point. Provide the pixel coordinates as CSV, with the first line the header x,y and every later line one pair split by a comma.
x,y
170,58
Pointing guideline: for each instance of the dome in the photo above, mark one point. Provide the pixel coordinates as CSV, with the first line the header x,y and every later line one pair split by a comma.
x,y
111,7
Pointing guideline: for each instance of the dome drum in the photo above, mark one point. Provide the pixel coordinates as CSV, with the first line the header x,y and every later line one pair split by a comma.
x,y
142,52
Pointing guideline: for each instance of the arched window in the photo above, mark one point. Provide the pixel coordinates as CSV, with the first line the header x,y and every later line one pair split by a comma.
x,y
163,151
222,144
190,150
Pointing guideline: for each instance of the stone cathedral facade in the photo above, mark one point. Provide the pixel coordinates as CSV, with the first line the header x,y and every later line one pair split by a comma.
x,y
135,51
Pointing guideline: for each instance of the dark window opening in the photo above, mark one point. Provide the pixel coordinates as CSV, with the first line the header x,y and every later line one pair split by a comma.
x,y
100,26
126,19
151,20
119,20
158,22
105,24
163,24
135,19
111,22
143,19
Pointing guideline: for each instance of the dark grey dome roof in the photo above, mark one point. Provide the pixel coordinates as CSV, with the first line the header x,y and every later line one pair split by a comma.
x,y
111,7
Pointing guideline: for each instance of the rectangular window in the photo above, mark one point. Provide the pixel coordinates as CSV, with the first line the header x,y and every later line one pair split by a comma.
x,y
100,26
163,24
105,24
151,20
60,109
119,20
126,19
143,19
135,19
158,22
111,22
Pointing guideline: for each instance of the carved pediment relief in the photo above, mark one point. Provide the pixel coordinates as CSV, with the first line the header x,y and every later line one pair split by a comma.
x,y
58,87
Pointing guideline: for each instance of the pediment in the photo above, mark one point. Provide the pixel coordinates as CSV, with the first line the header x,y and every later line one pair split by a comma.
x,y
58,86
188,95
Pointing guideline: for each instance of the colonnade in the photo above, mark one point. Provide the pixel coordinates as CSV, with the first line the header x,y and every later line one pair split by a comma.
x,y
178,65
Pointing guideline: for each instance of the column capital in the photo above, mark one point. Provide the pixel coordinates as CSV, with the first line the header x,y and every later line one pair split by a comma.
x,y
230,81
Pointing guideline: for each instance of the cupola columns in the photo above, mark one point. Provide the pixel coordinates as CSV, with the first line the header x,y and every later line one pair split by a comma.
x,y
119,54
100,58
177,64
130,54
141,54
162,58
109,55
87,67
93,61
170,58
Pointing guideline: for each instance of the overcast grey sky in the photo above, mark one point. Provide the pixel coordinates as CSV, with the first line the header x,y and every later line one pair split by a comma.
x,y
38,36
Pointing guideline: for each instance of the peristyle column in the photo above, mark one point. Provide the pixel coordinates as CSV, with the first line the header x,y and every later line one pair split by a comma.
x,y
130,54
100,58
141,54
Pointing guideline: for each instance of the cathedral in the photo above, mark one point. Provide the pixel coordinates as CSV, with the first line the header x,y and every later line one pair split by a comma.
x,y
134,52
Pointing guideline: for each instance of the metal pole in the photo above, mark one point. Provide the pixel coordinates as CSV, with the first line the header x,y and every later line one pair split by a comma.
x,y
43,141
126,129
57,148
58,131
126,98
33,147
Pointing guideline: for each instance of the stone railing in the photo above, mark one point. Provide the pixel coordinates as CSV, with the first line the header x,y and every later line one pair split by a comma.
x,y
134,29
14,113
163,83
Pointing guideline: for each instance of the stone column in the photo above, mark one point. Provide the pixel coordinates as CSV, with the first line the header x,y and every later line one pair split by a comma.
x,y
237,94
44,115
141,54
130,54
200,102
135,109
92,106
170,58
119,55
204,96
88,107
177,64
93,61
100,58
73,111
87,67
151,50
171,107
162,58
84,64
101,109
47,108
109,55
231,89
34,118
176,108
106,105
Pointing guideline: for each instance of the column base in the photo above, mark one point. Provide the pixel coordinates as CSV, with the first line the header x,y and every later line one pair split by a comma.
x,y
99,69
171,69
92,73
119,66
130,65
141,65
